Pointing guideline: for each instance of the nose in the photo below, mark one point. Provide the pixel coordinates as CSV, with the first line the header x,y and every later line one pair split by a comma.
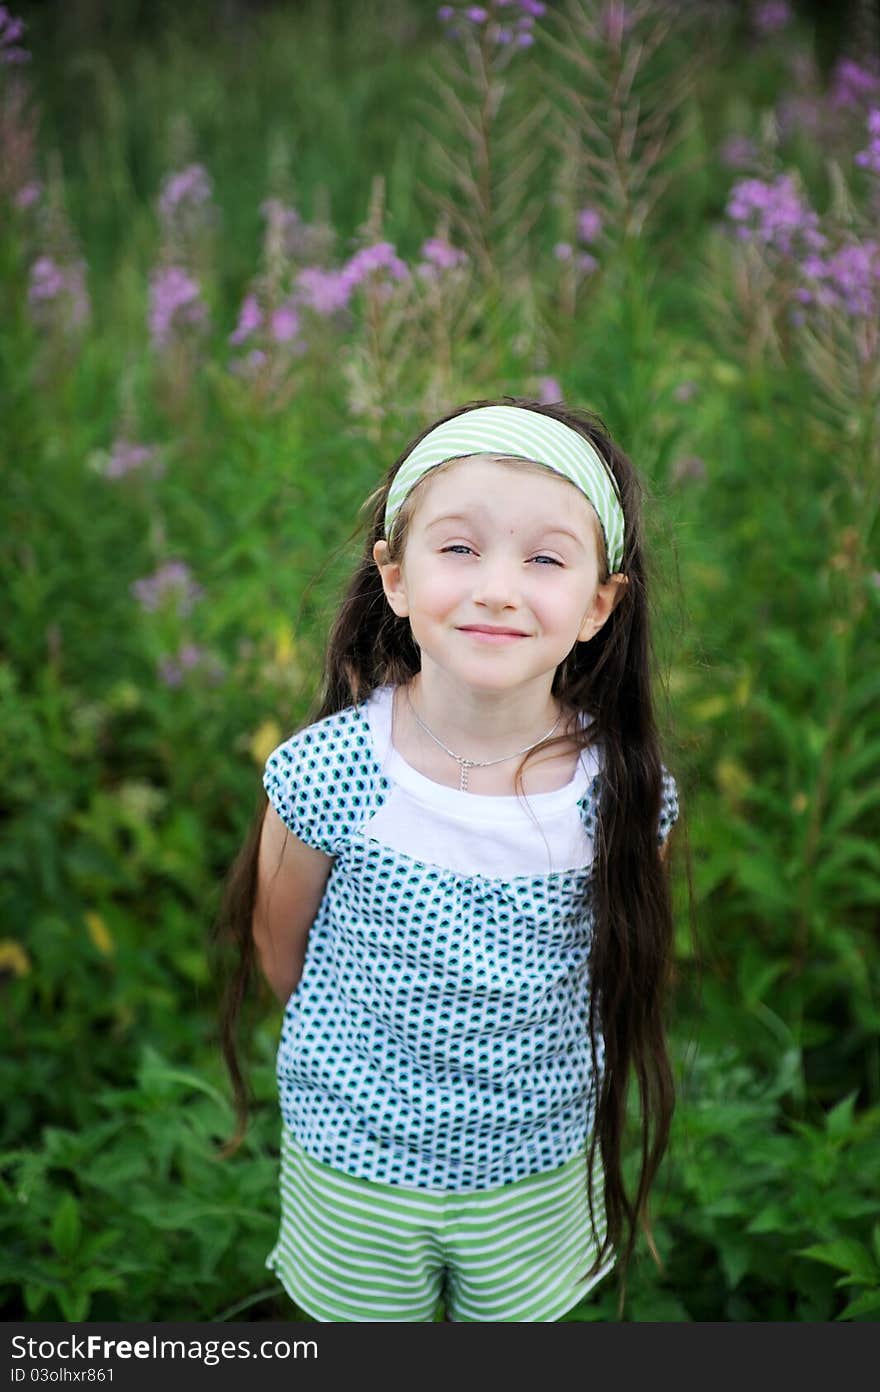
x,y
497,582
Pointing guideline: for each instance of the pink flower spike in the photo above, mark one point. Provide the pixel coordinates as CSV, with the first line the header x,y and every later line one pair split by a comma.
x,y
589,224
441,253
175,301
250,318
325,292
285,324
47,280
29,194
772,16
549,391
126,458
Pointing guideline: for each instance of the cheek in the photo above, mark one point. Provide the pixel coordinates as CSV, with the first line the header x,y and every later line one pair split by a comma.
x,y
561,605
438,591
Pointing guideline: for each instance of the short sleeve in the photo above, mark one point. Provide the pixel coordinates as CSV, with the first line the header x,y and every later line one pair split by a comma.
x,y
668,806
301,781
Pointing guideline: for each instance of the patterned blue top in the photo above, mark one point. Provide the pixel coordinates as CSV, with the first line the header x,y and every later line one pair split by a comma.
x,y
438,1035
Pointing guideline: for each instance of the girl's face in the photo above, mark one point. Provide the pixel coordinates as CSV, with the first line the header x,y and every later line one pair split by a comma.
x,y
494,546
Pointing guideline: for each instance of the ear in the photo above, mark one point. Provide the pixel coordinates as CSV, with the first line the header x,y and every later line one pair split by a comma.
x,y
392,580
604,600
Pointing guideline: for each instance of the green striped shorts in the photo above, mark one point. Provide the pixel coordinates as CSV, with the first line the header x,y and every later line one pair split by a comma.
x,y
351,1250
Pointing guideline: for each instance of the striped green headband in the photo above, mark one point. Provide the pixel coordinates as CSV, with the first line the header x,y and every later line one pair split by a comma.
x,y
522,434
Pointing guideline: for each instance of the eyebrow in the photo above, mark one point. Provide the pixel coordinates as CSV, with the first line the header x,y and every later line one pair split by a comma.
x,y
538,531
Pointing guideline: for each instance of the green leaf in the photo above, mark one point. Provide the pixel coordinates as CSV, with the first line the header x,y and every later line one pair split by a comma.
x,y
847,769
773,1218
74,1304
762,877
846,1255
839,1121
850,807
66,1229
35,1298
853,852
864,1304
734,1257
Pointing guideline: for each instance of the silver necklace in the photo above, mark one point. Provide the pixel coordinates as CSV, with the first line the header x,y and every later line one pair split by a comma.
x,y
465,765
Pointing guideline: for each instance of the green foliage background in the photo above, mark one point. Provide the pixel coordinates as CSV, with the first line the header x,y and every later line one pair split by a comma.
x,y
126,799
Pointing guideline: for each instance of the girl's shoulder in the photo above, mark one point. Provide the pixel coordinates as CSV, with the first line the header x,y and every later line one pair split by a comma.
x,y
335,734
322,778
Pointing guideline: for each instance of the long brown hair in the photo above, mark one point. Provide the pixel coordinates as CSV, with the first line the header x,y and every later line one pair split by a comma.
x,y
610,677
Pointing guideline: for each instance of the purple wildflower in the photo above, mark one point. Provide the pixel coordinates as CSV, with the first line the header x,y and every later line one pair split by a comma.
x,y
380,256
18,142
852,84
870,158
188,657
774,214
562,251
174,580
441,253
284,324
175,303
589,224
189,187
439,256
250,318
11,30
325,292
616,21
848,279
251,365
738,152
185,210
59,291
169,671
586,262
47,280
126,458
29,194
772,16
505,35
288,234
549,391
804,115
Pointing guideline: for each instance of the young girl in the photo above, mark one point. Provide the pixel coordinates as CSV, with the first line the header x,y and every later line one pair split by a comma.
x,y
457,890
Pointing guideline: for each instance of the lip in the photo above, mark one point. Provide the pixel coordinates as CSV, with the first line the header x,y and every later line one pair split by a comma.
x,y
493,635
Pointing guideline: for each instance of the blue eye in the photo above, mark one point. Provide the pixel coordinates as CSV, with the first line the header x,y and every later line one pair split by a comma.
x,y
460,546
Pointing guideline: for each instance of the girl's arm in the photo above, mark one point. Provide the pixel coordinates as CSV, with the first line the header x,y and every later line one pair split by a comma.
x,y
291,879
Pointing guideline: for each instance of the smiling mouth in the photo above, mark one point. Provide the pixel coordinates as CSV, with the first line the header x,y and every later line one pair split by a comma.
x,y
486,632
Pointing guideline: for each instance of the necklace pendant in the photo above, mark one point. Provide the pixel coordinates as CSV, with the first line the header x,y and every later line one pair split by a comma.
x,y
466,766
